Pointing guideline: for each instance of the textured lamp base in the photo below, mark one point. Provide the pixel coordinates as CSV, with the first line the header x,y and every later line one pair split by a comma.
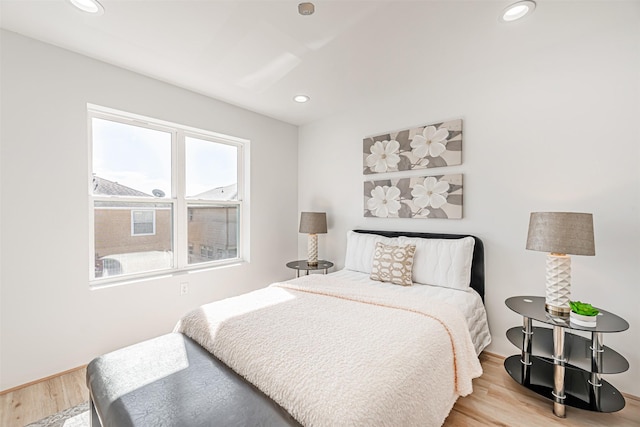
x,y
312,249
558,285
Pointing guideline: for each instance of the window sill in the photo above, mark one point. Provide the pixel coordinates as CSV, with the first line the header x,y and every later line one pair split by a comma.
x,y
104,283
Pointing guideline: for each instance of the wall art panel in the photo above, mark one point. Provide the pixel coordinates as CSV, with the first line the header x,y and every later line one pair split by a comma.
x,y
438,196
430,146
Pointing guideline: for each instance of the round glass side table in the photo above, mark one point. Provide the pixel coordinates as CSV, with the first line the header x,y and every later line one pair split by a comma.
x,y
303,265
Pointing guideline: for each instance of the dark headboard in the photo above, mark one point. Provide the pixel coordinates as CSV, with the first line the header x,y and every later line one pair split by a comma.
x,y
477,265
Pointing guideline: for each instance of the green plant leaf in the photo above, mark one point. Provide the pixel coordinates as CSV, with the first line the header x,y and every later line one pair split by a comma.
x,y
583,308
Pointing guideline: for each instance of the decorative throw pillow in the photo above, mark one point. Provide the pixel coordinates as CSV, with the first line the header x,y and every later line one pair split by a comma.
x,y
393,264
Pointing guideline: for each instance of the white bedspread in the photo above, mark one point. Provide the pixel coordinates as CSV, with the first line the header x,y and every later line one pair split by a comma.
x,y
468,302
340,353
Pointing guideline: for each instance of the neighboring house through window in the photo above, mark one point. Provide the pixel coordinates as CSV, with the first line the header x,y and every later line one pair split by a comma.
x,y
158,190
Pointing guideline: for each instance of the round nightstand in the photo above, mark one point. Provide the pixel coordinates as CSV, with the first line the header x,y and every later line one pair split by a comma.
x,y
303,265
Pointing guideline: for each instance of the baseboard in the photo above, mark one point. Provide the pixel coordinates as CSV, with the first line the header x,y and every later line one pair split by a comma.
x,y
59,374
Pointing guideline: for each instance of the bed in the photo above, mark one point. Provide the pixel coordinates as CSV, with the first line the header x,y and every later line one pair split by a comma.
x,y
345,348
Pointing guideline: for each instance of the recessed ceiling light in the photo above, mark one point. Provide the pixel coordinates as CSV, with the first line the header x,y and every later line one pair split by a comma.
x,y
517,11
89,6
301,98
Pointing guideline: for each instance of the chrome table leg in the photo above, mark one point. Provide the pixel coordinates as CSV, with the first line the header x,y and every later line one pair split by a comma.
x,y
558,372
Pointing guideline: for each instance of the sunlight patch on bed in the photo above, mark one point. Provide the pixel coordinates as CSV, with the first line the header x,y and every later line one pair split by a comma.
x,y
205,323
234,307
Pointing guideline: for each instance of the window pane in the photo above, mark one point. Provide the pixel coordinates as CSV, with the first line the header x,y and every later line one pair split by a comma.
x,y
143,222
120,251
213,233
211,170
130,160
142,228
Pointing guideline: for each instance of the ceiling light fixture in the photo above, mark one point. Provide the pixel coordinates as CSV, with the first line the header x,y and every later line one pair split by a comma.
x,y
90,6
517,11
301,98
306,8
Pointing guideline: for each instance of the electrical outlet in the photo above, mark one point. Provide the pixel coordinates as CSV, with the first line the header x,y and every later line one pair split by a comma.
x,y
184,288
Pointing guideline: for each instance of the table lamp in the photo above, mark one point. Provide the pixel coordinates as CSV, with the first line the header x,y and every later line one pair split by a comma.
x,y
313,223
560,234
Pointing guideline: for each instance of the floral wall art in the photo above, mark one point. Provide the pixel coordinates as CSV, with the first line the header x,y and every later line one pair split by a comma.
x,y
430,146
438,196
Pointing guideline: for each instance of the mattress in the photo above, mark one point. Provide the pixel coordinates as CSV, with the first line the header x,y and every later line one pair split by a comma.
x,y
468,302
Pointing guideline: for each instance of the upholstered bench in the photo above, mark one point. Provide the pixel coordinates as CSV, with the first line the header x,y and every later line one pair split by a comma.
x,y
172,381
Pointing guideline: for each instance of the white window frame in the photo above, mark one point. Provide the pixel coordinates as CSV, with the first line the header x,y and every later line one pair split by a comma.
x,y
153,222
177,198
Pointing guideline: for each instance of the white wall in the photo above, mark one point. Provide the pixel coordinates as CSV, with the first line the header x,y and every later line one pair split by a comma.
x,y
550,109
50,320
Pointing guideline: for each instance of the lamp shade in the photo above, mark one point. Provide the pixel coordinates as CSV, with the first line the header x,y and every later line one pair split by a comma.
x,y
313,222
561,232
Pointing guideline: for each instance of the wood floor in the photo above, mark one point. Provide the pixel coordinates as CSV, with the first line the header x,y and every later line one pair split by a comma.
x,y
41,399
496,400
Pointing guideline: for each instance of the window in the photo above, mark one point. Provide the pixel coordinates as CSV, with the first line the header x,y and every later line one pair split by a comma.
x,y
158,191
143,223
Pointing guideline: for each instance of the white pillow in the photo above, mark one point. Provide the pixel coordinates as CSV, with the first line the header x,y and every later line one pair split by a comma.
x,y
442,262
360,249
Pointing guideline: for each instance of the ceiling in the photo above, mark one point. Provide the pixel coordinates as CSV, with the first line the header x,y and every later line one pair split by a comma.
x,y
259,54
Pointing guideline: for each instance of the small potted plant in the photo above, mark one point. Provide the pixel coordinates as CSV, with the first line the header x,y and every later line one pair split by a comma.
x,y
583,314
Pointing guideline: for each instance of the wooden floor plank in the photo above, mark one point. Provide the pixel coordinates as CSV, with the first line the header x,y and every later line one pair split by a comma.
x,y
497,400
25,405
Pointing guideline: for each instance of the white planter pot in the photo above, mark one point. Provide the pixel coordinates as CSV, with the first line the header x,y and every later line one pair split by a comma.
x,y
582,320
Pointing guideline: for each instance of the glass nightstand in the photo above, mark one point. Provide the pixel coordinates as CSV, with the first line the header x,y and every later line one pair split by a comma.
x,y
303,265
564,367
